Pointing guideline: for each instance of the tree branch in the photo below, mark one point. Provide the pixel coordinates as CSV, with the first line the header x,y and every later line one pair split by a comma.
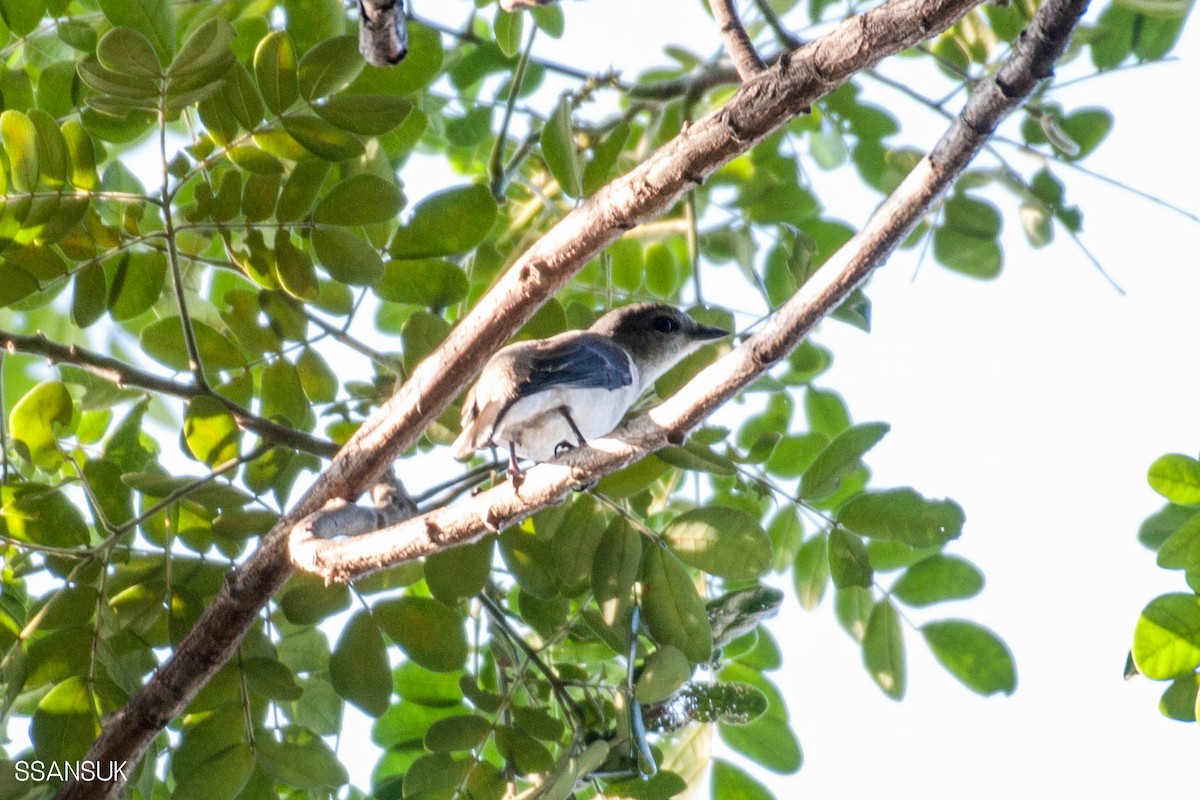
x,y
122,374
548,484
760,106
741,49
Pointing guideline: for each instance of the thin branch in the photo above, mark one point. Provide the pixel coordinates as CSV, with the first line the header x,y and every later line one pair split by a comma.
x,y
785,37
340,336
185,320
760,106
741,49
123,375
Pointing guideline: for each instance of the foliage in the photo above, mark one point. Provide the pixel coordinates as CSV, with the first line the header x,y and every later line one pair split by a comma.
x,y
1166,639
191,191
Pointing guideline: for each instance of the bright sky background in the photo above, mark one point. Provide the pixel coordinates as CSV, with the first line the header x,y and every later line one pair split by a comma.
x,y
1037,401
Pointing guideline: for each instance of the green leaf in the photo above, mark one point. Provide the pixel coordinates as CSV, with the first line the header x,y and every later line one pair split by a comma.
x,y
428,632
810,573
282,394
135,282
125,51
429,282
358,667
321,138
1166,639
549,20
849,563
903,515
725,542
458,733
508,27
317,378
220,777
1086,129
211,432
575,544
730,782
1177,478
19,137
976,656
163,341
674,612
36,420
614,571
840,457
39,514
936,579
968,239
276,71
306,600
346,257
419,68
768,741
446,223
268,677
302,760
329,67
65,722
205,56
559,149
294,269
361,199
242,98
883,650
421,333
154,19
664,671
364,114
22,16
460,572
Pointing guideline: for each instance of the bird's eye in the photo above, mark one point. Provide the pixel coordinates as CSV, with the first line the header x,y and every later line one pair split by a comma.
x,y
665,324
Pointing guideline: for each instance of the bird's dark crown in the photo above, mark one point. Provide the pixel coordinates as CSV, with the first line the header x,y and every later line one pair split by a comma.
x,y
655,334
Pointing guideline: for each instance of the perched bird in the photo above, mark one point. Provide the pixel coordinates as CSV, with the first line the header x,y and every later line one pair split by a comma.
x,y
540,398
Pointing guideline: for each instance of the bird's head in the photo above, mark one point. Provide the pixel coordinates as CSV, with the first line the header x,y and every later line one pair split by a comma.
x,y
656,335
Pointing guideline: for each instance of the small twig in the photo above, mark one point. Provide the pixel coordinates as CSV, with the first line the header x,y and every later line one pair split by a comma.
x,y
741,49
468,479
785,37
575,713
497,175
123,375
340,336
189,334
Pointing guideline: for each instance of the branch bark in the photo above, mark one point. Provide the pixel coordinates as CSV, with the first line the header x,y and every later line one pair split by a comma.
x,y
745,58
122,374
762,105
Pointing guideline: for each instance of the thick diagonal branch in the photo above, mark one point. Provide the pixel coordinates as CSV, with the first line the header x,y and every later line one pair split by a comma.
x,y
121,374
549,484
760,106
741,50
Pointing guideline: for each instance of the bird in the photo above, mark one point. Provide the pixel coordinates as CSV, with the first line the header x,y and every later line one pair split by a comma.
x,y
542,397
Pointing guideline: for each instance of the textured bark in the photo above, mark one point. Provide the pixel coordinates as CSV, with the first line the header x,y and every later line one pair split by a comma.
x,y
762,105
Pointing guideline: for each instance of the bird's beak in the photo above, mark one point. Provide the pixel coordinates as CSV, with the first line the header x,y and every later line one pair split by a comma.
x,y
704,333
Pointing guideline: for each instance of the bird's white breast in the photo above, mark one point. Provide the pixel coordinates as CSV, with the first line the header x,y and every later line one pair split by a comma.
x,y
537,426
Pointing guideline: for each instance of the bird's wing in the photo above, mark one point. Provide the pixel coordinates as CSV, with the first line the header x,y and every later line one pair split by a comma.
x,y
579,361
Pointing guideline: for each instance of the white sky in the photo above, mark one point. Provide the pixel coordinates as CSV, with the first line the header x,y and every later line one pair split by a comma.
x,y
1037,401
